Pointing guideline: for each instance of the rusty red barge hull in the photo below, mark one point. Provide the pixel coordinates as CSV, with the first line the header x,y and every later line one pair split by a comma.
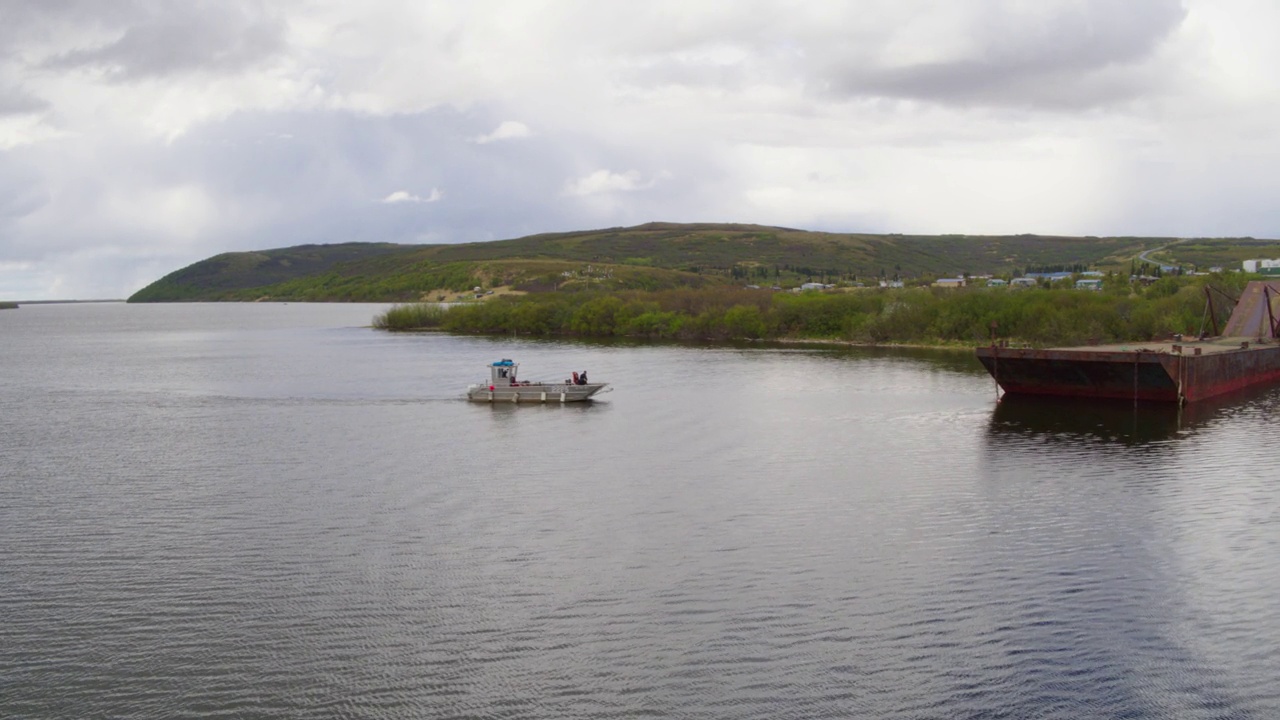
x,y
1247,355
1172,372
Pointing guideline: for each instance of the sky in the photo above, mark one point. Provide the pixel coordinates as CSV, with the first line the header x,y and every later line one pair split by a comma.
x,y
140,136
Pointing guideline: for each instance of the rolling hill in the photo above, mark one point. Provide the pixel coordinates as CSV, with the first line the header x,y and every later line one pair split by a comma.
x,y
651,256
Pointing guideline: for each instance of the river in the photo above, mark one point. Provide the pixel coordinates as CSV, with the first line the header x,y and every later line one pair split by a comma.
x,y
272,510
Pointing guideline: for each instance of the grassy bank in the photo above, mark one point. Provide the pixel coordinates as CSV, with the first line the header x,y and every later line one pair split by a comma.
x,y
920,316
8,305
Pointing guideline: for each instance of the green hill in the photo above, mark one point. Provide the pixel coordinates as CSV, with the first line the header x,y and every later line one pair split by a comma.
x,y
654,256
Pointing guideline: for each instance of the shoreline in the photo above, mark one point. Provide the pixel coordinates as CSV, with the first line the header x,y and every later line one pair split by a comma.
x,y
738,341
861,344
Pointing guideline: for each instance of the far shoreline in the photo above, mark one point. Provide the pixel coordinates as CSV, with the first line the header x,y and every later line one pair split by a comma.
x,y
737,342
20,303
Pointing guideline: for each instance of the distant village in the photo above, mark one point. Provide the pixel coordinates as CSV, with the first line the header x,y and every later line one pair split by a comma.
x,y
1080,279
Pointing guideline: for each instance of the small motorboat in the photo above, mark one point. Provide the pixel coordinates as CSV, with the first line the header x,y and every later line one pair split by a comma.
x,y
504,386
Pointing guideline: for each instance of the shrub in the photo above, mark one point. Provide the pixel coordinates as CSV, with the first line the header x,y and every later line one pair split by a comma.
x,y
744,321
416,316
913,315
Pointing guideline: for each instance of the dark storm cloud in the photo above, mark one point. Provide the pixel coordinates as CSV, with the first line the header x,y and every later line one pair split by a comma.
x,y
162,39
1081,55
39,21
16,101
1057,55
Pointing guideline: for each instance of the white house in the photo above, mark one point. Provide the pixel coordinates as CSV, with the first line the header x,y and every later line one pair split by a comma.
x,y
1261,266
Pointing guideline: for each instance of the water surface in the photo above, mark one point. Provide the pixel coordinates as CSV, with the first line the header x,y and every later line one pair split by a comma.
x,y
275,511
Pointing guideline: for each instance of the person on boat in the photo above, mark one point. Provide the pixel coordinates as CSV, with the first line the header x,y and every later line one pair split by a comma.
x,y
576,381
582,377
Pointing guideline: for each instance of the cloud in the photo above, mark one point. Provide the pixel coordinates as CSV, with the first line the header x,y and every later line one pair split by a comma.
x,y
1054,55
15,101
155,134
166,39
508,130
605,181
403,196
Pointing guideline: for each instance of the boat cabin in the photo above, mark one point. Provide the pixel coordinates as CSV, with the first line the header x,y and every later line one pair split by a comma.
x,y
503,373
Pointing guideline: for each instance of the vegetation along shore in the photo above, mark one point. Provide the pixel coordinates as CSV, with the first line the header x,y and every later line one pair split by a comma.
x,y
915,316
729,281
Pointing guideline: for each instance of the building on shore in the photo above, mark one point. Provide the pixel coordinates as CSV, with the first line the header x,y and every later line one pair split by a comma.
x,y
1262,267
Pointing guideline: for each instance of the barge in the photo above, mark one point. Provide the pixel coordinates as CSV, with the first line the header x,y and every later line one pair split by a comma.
x,y
1246,354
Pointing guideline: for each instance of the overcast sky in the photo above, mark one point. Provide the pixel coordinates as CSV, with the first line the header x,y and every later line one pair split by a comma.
x,y
139,136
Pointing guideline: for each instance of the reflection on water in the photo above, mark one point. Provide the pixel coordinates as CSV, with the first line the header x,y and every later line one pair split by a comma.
x,y
959,361
1116,421
1119,421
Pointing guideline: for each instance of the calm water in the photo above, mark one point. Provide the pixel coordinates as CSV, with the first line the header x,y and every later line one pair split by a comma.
x,y
273,511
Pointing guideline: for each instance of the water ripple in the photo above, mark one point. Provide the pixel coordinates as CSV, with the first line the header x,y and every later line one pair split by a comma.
x,y
250,532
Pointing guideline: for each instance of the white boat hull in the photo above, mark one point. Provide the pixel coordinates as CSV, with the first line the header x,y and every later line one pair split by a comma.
x,y
533,393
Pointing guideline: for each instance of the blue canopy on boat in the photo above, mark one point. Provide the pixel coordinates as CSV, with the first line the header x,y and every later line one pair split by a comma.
x,y
503,363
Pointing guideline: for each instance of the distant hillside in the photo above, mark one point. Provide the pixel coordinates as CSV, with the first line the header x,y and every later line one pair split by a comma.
x,y
652,256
